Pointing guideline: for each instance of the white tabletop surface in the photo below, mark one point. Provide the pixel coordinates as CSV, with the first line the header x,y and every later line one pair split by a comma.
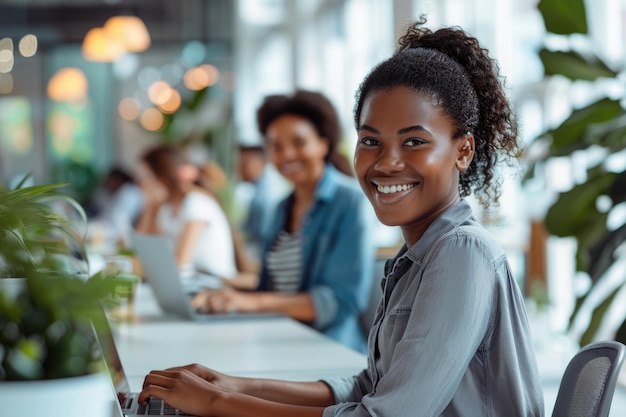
x,y
258,347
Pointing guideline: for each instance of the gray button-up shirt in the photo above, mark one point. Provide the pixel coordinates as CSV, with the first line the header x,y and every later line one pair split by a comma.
x,y
450,337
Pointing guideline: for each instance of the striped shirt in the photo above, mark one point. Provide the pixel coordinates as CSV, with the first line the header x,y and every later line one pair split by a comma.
x,y
284,262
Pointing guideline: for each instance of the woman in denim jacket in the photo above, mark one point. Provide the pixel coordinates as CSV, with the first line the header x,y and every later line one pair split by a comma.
x,y
450,337
317,265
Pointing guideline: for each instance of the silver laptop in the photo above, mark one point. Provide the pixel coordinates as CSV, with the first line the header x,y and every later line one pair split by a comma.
x,y
173,294
127,403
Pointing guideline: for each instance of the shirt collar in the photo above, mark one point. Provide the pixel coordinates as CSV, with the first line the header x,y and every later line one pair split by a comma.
x,y
447,221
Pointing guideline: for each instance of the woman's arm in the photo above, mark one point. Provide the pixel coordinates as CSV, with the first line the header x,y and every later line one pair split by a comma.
x,y
298,306
242,281
297,393
203,391
187,241
147,219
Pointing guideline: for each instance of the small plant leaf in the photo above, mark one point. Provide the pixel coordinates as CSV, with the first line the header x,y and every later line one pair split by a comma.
x,y
564,17
571,136
574,208
574,66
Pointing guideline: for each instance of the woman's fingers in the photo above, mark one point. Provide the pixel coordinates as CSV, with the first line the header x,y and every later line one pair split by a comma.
x,y
222,301
160,378
201,300
212,301
181,389
153,391
218,302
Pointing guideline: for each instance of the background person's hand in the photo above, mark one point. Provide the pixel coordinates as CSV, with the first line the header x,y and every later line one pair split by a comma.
x,y
153,191
224,301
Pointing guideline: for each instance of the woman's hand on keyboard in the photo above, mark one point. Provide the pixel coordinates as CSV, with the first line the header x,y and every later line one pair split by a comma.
x,y
182,389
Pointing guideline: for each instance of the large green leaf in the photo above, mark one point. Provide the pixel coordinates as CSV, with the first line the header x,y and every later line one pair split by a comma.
x,y
597,317
571,135
617,192
564,17
620,335
574,66
610,134
572,211
587,236
602,254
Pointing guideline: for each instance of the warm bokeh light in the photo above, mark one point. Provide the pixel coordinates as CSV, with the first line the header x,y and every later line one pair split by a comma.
x,y
151,119
172,104
129,31
68,84
28,45
159,92
193,78
100,47
129,108
6,55
201,77
212,72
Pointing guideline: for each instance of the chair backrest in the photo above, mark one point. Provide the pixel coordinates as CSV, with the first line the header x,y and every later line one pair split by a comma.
x,y
589,381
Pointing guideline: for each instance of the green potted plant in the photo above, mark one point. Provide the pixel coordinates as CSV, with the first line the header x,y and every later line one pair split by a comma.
x,y
599,127
48,352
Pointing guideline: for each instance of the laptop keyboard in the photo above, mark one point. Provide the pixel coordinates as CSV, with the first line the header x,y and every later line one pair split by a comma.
x,y
157,407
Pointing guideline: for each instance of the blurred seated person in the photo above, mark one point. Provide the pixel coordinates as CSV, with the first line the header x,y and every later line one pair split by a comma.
x,y
117,203
262,189
317,260
213,178
185,212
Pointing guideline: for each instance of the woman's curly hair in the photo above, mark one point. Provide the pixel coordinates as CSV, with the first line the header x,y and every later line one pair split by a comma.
x,y
456,73
314,107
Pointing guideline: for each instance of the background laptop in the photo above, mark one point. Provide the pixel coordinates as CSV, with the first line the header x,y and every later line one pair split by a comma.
x,y
173,294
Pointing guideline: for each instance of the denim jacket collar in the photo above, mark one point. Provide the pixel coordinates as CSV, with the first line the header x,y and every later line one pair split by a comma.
x,y
327,186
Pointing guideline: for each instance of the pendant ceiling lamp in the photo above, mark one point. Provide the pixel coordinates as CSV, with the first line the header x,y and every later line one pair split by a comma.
x,y
129,31
99,47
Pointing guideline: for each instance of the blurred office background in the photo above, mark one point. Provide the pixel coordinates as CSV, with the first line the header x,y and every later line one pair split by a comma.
x,y
72,105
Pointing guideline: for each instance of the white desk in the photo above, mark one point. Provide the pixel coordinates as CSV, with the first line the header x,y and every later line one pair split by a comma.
x,y
266,348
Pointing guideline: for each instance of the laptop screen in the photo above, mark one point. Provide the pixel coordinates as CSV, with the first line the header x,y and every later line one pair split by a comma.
x,y
112,359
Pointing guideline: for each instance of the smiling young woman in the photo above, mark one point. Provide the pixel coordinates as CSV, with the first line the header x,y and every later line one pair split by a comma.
x,y
317,260
450,337
407,159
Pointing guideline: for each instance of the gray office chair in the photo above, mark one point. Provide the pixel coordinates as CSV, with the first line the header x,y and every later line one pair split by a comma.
x,y
588,384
